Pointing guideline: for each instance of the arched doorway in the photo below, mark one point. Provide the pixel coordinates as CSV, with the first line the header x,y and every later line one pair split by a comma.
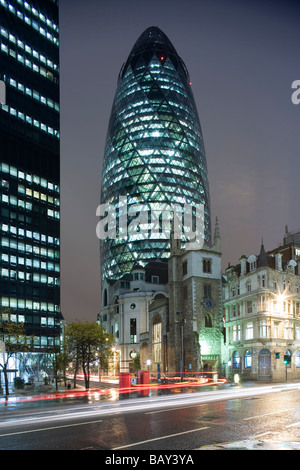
x,y
236,360
264,364
144,355
248,359
207,367
288,355
157,341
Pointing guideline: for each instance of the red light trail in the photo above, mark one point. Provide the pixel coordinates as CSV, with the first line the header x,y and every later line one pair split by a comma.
x,y
95,392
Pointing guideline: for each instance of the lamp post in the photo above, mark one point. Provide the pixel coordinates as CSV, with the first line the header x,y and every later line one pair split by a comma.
x,y
114,360
281,298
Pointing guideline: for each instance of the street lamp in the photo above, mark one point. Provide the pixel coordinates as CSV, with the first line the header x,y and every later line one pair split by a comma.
x,y
114,360
281,299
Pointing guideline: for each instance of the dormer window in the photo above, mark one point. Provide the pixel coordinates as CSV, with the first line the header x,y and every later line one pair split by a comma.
x,y
253,266
252,262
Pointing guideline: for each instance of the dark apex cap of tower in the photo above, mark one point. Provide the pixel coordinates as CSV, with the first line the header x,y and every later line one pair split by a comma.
x,y
152,38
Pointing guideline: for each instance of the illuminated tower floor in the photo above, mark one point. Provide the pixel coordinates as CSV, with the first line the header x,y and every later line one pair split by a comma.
x,y
30,170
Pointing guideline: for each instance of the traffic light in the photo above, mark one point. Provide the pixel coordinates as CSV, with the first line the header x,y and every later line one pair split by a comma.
x,y
287,360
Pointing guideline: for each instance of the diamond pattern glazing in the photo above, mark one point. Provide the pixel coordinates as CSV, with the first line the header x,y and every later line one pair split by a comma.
x,y
154,151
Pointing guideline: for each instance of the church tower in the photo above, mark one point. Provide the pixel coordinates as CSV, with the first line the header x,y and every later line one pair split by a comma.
x,y
195,307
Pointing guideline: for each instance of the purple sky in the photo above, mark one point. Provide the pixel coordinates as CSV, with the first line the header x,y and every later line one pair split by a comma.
x,y
242,57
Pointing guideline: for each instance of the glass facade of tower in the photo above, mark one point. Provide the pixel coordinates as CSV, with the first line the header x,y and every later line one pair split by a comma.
x,y
154,152
30,168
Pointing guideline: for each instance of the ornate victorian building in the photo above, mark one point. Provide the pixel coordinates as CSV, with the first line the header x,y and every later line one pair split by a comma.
x,y
262,314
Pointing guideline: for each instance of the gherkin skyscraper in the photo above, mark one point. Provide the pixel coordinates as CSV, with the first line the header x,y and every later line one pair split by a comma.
x,y
154,153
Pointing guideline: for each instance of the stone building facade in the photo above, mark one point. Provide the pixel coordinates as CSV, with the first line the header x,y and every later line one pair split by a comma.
x,y
262,315
126,312
169,313
184,316
195,307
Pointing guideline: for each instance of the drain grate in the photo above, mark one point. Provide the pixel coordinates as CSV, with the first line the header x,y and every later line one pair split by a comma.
x,y
207,418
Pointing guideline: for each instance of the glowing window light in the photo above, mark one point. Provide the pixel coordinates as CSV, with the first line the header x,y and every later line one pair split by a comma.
x,y
155,134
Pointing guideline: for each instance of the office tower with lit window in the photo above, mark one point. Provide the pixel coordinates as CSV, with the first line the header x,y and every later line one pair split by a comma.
x,y
30,168
154,154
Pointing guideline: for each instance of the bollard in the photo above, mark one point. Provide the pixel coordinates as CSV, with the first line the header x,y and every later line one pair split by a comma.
x,y
143,378
124,384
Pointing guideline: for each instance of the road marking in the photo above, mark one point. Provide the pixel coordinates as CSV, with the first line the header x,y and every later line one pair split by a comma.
x,y
292,425
173,409
267,414
48,429
160,438
262,434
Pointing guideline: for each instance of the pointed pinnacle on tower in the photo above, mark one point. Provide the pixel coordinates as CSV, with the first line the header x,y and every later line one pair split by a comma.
x,y
217,236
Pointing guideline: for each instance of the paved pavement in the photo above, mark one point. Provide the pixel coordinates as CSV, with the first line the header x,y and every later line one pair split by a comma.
x,y
255,444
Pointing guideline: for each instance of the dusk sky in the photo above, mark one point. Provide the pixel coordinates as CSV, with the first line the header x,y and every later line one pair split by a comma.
x,y
242,57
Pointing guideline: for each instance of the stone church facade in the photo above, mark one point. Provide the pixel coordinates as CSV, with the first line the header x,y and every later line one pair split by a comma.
x,y
195,308
169,313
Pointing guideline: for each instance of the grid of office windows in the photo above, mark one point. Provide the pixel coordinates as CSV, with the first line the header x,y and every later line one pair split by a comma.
x,y
29,169
154,150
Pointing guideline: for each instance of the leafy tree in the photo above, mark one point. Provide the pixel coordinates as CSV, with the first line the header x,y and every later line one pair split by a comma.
x,y
19,383
87,343
136,365
15,340
60,363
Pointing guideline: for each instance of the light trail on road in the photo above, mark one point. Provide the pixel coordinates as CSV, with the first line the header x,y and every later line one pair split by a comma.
x,y
108,391
192,419
169,402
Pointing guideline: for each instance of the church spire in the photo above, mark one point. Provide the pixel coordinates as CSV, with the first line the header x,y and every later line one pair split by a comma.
x,y
262,258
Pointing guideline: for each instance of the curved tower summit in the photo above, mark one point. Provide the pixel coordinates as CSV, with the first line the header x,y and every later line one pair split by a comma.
x,y
154,153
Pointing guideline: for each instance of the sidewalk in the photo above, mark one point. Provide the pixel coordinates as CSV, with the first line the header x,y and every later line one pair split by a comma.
x,y
53,392
107,389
